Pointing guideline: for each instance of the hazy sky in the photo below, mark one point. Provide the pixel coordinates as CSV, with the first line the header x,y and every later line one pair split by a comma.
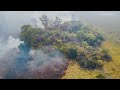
x,y
11,21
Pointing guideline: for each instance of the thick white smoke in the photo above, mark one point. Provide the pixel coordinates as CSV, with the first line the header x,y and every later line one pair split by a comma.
x,y
9,44
38,65
40,58
45,66
8,52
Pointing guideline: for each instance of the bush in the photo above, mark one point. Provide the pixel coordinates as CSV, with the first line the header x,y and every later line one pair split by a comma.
x,y
81,56
91,64
106,57
70,50
100,76
104,50
89,48
72,53
100,37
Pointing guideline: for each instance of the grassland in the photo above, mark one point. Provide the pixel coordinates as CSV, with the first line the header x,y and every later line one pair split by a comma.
x,y
111,70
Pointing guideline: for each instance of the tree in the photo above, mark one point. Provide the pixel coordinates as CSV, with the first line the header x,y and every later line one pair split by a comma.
x,y
91,64
89,48
75,26
65,26
57,22
81,35
45,21
90,38
84,44
69,49
100,37
72,53
28,34
25,28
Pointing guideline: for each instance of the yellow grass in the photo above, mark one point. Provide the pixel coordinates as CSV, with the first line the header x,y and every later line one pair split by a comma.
x,y
111,70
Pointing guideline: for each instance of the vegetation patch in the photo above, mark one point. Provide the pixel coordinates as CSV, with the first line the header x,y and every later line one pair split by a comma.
x,y
73,39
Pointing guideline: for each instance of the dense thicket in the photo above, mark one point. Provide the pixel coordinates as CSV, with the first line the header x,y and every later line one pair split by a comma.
x,y
75,40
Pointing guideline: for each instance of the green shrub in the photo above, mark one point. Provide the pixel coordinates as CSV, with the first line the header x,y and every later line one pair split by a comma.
x,y
106,57
104,50
69,50
91,64
72,53
100,76
81,56
89,48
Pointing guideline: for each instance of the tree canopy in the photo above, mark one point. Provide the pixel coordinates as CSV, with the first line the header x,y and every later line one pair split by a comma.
x,y
75,40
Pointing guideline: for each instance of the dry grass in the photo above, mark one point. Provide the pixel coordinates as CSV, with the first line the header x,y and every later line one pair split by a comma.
x,y
111,70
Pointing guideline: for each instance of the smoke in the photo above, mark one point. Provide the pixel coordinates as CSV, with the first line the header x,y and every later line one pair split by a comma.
x,y
11,21
19,61
10,44
37,64
46,66
8,52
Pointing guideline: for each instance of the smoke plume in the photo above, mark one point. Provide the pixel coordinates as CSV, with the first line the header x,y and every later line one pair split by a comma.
x,y
8,53
19,61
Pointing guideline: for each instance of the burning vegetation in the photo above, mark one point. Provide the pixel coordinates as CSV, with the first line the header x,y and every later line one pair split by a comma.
x,y
46,51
